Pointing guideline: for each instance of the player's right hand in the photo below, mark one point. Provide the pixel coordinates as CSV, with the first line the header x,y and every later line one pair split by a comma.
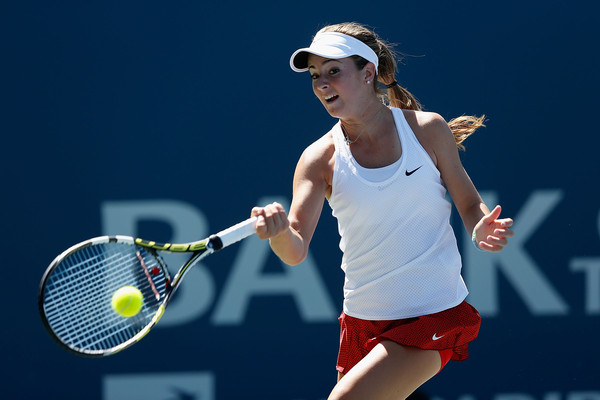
x,y
272,220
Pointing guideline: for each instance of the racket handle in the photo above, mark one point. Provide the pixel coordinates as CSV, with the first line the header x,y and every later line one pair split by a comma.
x,y
235,233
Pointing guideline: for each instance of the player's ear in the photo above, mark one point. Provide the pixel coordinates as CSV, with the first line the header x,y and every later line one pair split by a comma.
x,y
369,72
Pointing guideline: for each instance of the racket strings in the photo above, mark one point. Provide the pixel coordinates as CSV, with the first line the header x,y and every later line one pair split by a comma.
x,y
98,327
90,275
77,299
72,304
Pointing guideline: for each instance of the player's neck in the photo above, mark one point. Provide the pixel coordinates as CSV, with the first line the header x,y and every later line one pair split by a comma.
x,y
367,124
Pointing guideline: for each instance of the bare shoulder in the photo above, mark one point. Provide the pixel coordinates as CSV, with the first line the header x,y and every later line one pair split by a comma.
x,y
320,151
432,131
317,160
425,123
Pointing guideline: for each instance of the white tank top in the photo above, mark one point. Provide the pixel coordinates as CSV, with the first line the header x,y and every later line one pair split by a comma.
x,y
400,256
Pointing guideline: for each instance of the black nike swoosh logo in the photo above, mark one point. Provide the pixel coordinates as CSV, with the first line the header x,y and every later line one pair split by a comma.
x,y
409,173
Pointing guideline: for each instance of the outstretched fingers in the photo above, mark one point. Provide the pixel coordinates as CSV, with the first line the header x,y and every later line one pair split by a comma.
x,y
493,233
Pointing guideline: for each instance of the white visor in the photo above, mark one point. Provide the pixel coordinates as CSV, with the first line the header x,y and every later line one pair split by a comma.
x,y
332,45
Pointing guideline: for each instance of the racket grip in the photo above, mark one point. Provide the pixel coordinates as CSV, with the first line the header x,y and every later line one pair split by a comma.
x,y
237,232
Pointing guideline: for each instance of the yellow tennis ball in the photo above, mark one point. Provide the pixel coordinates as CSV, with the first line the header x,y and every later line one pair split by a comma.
x,y
127,301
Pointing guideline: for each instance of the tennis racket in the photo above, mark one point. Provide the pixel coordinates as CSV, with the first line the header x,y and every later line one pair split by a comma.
x,y
76,290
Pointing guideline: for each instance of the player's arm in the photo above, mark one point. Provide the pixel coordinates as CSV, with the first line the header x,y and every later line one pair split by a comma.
x,y
491,232
290,236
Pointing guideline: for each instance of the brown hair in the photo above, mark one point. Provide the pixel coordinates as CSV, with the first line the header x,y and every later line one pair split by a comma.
x,y
395,95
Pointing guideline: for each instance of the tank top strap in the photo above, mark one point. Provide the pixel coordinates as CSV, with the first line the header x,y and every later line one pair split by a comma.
x,y
410,142
339,141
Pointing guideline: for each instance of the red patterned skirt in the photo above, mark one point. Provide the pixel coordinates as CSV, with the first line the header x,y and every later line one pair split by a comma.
x,y
450,329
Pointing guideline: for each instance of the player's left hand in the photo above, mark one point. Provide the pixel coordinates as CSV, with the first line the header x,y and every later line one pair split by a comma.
x,y
492,233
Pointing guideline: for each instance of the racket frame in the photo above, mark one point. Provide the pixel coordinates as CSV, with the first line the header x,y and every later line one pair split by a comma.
x,y
198,249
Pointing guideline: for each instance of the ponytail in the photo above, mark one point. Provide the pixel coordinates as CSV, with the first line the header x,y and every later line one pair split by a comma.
x,y
464,126
399,97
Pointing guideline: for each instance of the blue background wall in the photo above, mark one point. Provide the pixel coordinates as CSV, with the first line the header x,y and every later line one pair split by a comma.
x,y
171,120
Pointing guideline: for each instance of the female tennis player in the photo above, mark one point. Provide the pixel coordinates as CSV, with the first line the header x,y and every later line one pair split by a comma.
x,y
385,168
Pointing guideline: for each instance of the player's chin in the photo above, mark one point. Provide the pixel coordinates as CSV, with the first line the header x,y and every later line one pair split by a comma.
x,y
332,108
